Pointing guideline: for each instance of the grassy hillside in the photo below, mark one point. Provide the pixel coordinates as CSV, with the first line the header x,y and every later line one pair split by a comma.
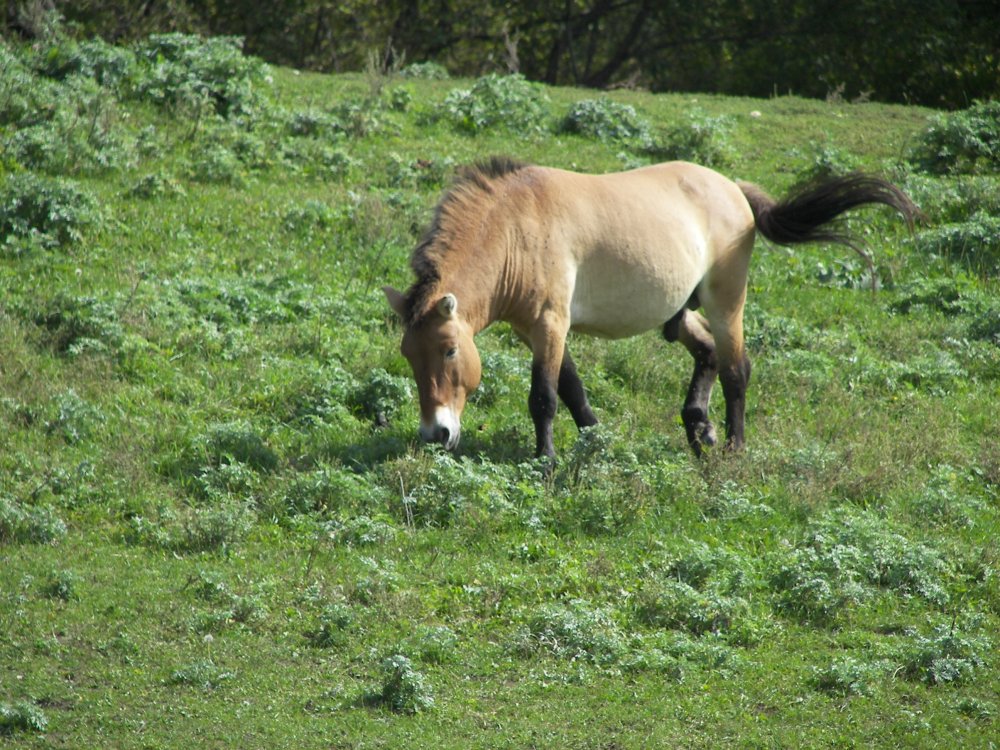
x,y
217,527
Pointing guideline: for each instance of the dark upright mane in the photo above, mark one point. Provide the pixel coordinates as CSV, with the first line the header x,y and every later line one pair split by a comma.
x,y
470,182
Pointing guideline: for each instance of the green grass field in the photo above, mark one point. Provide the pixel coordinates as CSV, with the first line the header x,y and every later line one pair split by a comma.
x,y
218,528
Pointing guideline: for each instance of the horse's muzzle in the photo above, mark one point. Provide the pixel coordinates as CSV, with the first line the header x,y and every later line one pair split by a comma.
x,y
445,429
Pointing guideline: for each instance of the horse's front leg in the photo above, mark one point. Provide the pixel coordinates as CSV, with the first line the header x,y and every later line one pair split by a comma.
x,y
548,343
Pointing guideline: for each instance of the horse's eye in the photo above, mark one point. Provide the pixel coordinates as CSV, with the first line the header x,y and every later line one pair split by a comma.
x,y
451,353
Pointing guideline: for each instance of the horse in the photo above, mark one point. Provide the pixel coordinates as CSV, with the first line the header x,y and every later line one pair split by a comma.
x,y
552,251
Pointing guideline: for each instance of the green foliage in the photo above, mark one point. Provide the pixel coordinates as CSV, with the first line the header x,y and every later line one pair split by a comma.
x,y
849,676
332,626
44,211
62,584
608,121
73,325
74,419
404,689
945,656
28,524
845,557
106,64
184,73
975,242
381,395
432,644
430,71
208,453
156,185
22,716
573,631
966,141
204,674
699,138
494,101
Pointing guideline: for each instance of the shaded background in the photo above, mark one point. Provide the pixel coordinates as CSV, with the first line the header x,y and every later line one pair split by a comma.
x,y
941,53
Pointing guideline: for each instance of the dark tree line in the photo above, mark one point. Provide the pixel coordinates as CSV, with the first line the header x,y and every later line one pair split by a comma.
x,y
935,52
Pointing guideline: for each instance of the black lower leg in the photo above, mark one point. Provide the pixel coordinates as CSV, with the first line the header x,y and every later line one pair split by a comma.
x,y
542,405
734,379
573,395
700,431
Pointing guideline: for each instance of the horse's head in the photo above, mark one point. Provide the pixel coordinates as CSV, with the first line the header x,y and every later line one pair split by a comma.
x,y
445,364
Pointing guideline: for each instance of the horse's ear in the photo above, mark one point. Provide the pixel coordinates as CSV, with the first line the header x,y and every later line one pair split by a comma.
x,y
396,301
447,306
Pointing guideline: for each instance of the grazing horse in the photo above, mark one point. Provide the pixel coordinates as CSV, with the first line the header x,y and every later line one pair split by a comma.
x,y
613,255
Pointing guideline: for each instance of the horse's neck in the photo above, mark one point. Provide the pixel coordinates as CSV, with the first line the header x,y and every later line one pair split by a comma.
x,y
482,287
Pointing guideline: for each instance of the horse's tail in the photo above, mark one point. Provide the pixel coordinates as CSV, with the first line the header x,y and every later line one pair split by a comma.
x,y
806,214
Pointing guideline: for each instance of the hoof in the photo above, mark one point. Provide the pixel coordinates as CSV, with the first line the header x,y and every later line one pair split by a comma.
x,y
706,434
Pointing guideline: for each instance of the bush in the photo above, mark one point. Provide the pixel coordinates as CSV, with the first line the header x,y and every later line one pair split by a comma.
x,y
574,631
967,141
202,674
848,676
380,396
404,689
497,101
975,242
49,211
945,656
79,132
702,139
845,557
108,65
21,524
430,71
608,121
332,626
25,99
22,716
678,605
179,71
73,325
75,418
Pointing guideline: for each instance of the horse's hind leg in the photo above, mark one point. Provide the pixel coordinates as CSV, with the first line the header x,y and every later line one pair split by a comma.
x,y
691,329
572,393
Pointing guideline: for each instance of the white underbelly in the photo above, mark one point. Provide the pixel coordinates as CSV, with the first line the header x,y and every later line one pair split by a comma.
x,y
616,299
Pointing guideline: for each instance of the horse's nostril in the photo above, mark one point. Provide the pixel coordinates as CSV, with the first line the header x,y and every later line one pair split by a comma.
x,y
443,434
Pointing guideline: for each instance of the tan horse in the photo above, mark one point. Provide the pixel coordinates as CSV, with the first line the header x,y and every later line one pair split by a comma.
x,y
613,255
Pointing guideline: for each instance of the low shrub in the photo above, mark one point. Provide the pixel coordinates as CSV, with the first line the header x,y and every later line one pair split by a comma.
x,y
28,524
403,689
201,674
430,71
975,242
50,211
848,676
180,72
22,716
332,627
700,138
966,141
574,631
509,102
945,656
74,419
380,396
109,66
608,121
846,557
61,584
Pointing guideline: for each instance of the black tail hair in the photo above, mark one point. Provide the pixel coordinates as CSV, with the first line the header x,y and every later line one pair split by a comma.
x,y
806,214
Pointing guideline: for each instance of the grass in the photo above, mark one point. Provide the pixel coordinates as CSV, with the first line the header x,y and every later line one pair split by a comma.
x,y
218,527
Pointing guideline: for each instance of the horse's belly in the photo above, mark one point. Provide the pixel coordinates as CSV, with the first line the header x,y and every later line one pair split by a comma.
x,y
618,300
